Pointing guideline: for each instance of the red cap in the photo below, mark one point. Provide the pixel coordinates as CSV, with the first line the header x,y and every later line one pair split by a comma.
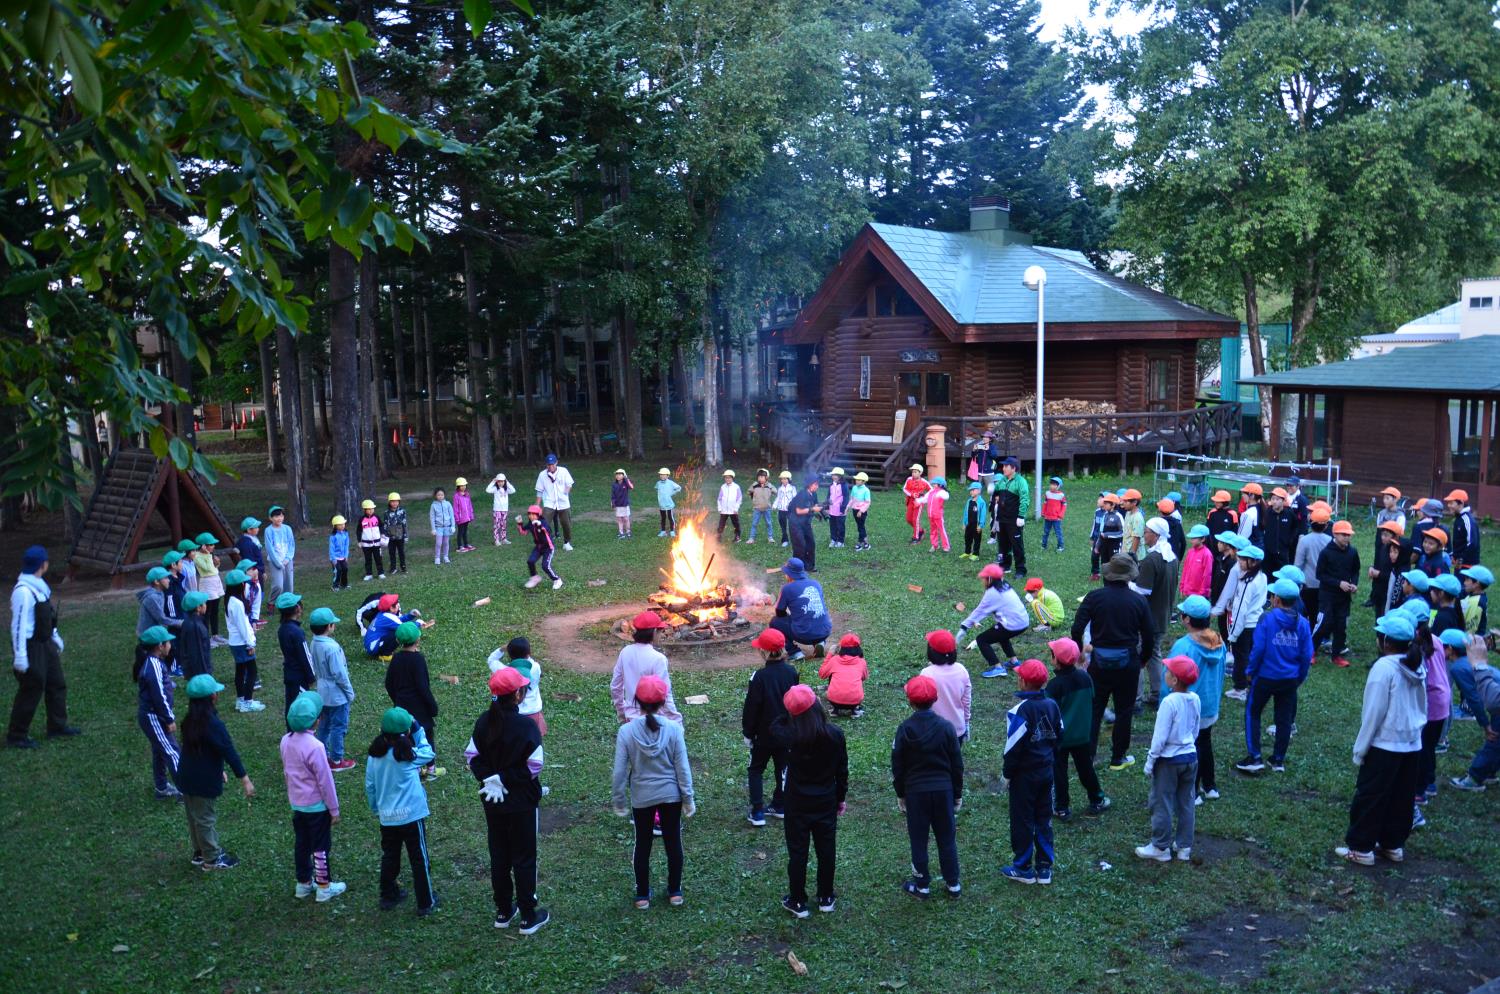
x,y
1032,671
849,641
1064,650
507,680
388,601
1182,668
941,641
646,619
770,640
799,697
535,509
992,571
921,690
651,689
1034,584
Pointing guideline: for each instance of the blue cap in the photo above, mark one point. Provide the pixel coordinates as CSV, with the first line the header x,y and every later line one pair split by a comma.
x,y
1196,606
975,485
795,568
1416,609
1433,506
1174,497
1448,584
1479,574
1121,492
1057,480
938,481
33,558
1198,531
1295,481
1290,572
1456,637
1417,579
551,458
1396,626
1287,589
247,523
1231,539
1252,552
1011,461
287,600
156,573
808,479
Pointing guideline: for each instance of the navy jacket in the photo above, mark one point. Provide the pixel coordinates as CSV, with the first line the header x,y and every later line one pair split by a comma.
x,y
409,687
817,777
155,691
1034,725
192,647
763,706
926,756
200,772
1465,545
250,549
1335,565
801,600
296,663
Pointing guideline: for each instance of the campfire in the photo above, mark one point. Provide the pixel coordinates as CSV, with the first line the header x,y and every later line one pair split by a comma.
x,y
693,602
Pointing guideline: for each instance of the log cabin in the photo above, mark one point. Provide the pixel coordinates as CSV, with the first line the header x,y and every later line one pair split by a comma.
x,y
915,328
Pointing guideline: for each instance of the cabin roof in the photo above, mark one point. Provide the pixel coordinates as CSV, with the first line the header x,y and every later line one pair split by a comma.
x,y
1467,366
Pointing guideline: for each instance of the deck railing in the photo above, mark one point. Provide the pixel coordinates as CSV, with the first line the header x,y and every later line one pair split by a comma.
x,y
1066,435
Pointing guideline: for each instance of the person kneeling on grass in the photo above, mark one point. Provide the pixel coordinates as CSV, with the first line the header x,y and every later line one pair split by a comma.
x,y
314,799
393,788
1279,660
380,634
1001,603
927,770
1033,726
651,765
846,672
206,748
543,548
1172,764
817,781
1486,690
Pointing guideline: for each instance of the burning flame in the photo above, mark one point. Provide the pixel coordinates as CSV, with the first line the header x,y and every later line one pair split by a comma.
x,y
691,561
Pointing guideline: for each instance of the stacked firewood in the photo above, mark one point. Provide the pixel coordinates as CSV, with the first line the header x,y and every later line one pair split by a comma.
x,y
1059,407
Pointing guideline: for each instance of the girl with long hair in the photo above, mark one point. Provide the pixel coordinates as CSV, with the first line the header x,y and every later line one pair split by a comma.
x,y
817,781
206,747
241,641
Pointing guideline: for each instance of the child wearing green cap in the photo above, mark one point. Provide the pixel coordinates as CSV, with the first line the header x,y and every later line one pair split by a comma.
x,y
241,643
409,686
252,561
206,747
156,610
331,668
176,588
393,787
206,563
254,592
154,713
189,572
194,654
314,800
296,661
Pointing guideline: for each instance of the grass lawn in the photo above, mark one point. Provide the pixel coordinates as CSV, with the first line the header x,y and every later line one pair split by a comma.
x,y
101,896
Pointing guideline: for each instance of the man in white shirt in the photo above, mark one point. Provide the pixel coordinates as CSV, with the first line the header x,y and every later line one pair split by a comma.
x,y
553,485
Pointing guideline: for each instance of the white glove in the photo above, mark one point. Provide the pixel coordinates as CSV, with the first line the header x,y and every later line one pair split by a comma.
x,y
492,789
901,805
749,744
1020,522
689,809
57,640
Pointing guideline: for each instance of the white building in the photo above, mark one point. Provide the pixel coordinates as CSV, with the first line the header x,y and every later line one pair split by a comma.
x,y
1476,312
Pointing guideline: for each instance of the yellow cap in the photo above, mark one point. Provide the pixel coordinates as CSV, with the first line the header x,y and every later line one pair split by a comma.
x,y
729,472
664,471
460,482
862,477
919,467
367,504
619,472
338,519
836,471
786,474
392,496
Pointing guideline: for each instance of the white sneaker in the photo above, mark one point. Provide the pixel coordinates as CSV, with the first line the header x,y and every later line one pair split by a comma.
x,y
437,562
1185,855
1198,801
256,705
333,890
532,581
567,546
382,576
1149,851
239,705
447,561
304,890
368,578
1212,795
557,584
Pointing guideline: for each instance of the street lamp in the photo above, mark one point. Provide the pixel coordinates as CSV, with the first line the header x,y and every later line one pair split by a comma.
x,y
1035,278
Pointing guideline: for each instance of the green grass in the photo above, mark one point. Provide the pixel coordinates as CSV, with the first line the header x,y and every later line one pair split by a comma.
x,y
93,863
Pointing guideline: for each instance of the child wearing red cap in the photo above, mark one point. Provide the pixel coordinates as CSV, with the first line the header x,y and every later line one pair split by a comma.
x,y
764,706
1172,765
1046,607
637,660
1003,604
955,691
846,672
1073,690
505,756
927,770
1033,726
817,780
651,764
543,547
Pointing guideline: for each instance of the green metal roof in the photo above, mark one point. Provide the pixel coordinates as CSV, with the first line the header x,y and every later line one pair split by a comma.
x,y
1468,366
978,281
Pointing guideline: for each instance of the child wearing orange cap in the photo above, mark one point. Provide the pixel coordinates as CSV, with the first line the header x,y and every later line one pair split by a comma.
x,y
1221,517
1433,559
1392,553
955,691
1109,532
1309,548
764,706
1135,523
846,673
1033,727
1251,527
1278,525
1073,690
1172,765
816,783
1338,579
927,771
1465,530
1046,607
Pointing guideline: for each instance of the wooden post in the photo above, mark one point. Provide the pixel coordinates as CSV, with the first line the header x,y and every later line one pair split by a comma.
x,y
174,508
1275,450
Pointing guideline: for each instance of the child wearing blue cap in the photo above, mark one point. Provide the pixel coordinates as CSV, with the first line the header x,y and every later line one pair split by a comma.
x,y
1243,601
976,511
1197,565
1206,648
1279,660
937,500
335,689
1476,600
1388,746
393,787
313,798
206,747
1439,705
1054,509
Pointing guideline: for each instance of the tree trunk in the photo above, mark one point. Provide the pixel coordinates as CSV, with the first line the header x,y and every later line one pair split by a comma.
x,y
72,512
398,357
713,441
374,368
527,390
664,376
312,435
182,378
1257,357
483,441
430,369
555,318
88,435
322,384
685,393
498,386
268,392
343,348
746,409
590,374
419,368
299,514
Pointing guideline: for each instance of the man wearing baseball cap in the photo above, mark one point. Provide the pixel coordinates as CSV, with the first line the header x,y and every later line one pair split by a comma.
x,y
801,511
554,484
927,770
801,610
1010,506
764,704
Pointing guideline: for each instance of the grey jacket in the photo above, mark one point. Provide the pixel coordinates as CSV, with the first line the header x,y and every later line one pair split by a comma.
x,y
156,609
1395,708
652,765
332,671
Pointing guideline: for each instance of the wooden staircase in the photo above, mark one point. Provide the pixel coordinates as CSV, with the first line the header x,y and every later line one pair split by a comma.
x,y
866,457
123,496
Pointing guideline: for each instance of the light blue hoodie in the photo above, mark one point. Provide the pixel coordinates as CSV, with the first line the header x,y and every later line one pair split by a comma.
x,y
666,492
394,789
1210,654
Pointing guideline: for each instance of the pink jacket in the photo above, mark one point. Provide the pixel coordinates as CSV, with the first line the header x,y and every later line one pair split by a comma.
x,y
1439,691
936,498
846,677
463,507
1197,572
955,700
309,781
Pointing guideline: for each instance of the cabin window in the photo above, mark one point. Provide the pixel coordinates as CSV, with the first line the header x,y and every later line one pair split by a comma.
x,y
909,389
924,390
939,386
889,300
1161,385
864,377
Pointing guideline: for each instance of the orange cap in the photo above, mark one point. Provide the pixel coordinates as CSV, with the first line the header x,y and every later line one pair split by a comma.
x,y
1222,497
1252,488
1394,528
1319,515
1393,492
1165,506
1462,496
1132,494
1110,499
1281,492
1438,534
1343,528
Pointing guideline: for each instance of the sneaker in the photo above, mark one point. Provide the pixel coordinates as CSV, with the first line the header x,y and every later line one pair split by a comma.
x,y
68,731
663,534
532,581
226,861
341,765
567,546
784,545
169,793
776,812
1044,877
656,826
916,890
368,578
1100,806
1149,851
1018,875
994,671
1109,716
330,891
1463,714
557,584
1236,695
756,818
1355,856
1212,794
827,904
302,891
1278,766
643,903
1466,783
1439,749
533,924
504,918
1185,855
1062,814
1418,819
437,562
1395,855
1271,729
794,908
955,889
1123,764
675,898
382,576
1198,801
424,912
1341,662
389,903
24,742
1250,764
257,685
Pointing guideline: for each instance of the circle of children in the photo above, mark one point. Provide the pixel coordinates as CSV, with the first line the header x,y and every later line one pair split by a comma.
x,y
1263,586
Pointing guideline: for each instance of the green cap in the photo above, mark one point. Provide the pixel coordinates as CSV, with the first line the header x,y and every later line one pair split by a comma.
x,y
303,714
246,565
288,599
206,538
203,685
324,616
275,510
235,576
248,523
193,600
171,558
156,635
408,632
156,573
187,545
396,721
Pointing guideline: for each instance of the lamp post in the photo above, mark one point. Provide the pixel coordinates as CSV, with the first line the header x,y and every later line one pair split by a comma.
x,y
1035,278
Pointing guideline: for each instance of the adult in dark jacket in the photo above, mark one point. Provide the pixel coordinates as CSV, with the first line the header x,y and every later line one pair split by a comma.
x,y
194,653
817,780
409,685
1338,579
296,661
763,707
927,770
505,756
800,512
1121,636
